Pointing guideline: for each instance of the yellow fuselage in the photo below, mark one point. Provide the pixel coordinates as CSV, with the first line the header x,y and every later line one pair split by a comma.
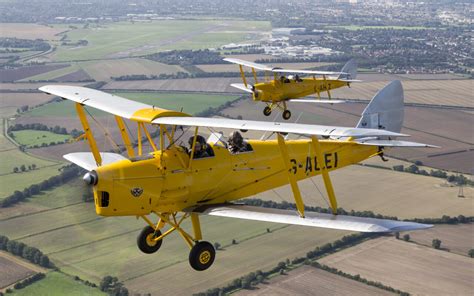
x,y
276,90
165,183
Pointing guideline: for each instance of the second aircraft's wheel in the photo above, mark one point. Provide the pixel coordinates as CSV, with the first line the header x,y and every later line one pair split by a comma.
x,y
267,111
202,256
145,241
286,114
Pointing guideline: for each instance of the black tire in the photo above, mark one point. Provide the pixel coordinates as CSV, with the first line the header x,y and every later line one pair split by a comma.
x,y
267,111
144,243
202,256
286,114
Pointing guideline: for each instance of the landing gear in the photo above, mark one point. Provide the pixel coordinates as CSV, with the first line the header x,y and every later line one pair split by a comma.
x,y
202,253
146,240
286,114
202,256
267,111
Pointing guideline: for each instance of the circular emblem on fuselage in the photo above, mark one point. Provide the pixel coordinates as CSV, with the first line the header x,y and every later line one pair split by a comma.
x,y
136,191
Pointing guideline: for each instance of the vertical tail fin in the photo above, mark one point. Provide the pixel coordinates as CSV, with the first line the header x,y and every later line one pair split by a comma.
x,y
351,69
385,110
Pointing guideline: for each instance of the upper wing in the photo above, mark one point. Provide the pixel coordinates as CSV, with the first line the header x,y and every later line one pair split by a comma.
x,y
109,103
309,72
86,160
281,127
317,101
248,64
342,222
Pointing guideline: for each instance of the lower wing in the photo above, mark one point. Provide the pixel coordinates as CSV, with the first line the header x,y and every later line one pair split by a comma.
x,y
341,222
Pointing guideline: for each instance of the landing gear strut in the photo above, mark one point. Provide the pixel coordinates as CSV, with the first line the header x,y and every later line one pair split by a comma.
x,y
150,239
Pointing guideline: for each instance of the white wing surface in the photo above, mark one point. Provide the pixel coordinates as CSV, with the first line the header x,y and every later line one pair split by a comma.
x,y
341,222
86,160
248,64
280,127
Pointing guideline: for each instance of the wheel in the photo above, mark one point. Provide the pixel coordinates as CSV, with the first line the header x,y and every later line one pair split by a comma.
x,y
267,111
286,114
145,241
202,256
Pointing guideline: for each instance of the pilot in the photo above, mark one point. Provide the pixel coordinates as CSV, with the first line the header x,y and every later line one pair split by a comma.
x,y
237,143
200,148
297,78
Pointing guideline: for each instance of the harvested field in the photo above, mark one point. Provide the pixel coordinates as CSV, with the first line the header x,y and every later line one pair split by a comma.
x,y
385,192
307,280
26,86
30,31
12,272
433,92
16,100
78,76
454,238
10,75
407,266
103,70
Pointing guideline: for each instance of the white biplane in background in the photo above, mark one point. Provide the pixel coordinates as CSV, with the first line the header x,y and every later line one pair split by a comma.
x,y
282,89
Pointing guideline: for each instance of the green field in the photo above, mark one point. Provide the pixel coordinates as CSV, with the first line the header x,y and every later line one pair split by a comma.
x,y
10,157
30,138
191,103
56,283
126,39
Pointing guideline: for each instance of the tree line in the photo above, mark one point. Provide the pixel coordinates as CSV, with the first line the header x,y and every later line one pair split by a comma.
x,y
414,169
31,254
66,173
178,75
183,57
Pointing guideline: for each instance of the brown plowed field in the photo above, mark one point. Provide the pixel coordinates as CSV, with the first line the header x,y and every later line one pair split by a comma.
x,y
416,269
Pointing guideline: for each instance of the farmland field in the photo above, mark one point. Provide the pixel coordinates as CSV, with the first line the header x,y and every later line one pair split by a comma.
x,y
191,103
31,31
107,41
307,280
30,138
454,238
56,284
12,272
426,271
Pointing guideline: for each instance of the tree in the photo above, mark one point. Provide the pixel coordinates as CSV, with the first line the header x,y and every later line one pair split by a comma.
x,y
245,283
16,170
397,235
33,166
406,237
471,253
436,243
234,242
23,168
217,246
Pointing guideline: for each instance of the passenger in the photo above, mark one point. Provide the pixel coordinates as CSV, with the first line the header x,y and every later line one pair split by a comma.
x,y
237,143
298,79
200,148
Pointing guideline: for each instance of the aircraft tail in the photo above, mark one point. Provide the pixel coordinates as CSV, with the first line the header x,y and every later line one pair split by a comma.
x,y
351,69
385,110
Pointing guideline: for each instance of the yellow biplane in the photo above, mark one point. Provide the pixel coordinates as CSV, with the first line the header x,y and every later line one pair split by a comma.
x,y
282,89
176,182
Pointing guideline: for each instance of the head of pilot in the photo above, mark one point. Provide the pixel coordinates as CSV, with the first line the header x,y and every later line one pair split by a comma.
x,y
200,143
236,139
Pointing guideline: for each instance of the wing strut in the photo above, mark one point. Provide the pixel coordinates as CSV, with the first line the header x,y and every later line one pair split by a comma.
x,y
125,137
325,174
291,176
88,133
243,75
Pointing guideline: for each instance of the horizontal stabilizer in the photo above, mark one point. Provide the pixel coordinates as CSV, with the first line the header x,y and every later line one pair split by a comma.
x,y
394,143
341,222
86,159
350,80
242,86
317,101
